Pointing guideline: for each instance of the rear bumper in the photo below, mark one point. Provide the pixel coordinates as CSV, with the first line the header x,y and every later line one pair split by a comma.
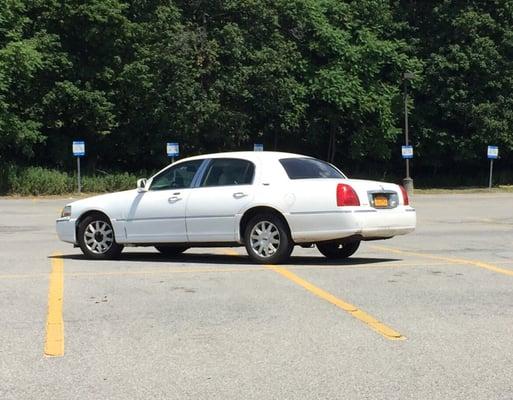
x,y
366,222
388,223
65,228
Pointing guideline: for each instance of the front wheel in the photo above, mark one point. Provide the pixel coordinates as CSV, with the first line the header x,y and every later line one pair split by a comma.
x,y
267,239
338,250
96,238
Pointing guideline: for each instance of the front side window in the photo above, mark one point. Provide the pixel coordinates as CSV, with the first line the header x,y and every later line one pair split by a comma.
x,y
228,172
309,168
176,177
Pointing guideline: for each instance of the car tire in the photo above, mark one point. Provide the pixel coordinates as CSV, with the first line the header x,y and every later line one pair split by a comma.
x,y
96,238
338,250
171,251
267,239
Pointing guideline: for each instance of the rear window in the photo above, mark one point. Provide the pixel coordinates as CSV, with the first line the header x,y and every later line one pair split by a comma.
x,y
309,168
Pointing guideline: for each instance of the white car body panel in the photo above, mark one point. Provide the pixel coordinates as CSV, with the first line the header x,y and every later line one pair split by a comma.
x,y
157,216
213,214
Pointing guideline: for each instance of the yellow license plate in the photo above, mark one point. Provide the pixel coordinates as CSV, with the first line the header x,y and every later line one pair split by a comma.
x,y
380,201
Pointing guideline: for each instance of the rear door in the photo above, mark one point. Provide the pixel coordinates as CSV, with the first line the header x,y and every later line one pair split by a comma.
x,y
158,215
225,189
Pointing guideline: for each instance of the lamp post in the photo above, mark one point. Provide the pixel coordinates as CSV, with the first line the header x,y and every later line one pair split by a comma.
x,y
408,181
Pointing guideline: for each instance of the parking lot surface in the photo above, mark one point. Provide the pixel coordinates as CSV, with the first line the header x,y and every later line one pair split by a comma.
x,y
424,316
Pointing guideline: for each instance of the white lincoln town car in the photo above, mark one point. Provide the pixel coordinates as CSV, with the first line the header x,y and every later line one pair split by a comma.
x,y
266,201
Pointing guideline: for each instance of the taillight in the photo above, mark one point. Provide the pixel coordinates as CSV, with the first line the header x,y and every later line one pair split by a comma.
x,y
406,200
346,196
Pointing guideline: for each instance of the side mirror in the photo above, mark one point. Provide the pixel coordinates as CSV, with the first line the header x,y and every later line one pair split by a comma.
x,y
141,185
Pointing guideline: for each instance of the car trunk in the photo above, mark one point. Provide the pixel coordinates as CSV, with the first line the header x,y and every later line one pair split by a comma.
x,y
321,194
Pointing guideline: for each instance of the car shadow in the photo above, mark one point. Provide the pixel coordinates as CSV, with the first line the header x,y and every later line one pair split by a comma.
x,y
212,258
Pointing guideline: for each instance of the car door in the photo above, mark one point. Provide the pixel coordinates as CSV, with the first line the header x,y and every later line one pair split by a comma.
x,y
225,189
158,214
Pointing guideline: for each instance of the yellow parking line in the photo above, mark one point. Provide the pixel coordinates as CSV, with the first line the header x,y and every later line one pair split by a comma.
x,y
213,270
54,342
458,261
21,276
220,270
362,316
354,311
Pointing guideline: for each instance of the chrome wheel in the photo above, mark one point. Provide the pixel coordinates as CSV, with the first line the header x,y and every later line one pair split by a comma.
x,y
98,237
265,239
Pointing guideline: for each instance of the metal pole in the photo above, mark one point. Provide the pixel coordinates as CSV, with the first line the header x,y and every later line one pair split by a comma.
x,y
407,182
172,160
406,136
491,173
78,168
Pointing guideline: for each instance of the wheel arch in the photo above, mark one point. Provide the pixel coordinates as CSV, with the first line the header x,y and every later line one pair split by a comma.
x,y
251,212
86,214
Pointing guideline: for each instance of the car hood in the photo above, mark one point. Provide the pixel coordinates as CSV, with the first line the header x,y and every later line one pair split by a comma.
x,y
104,202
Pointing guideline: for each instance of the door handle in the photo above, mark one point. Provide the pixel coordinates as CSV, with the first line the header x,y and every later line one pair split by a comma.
x,y
239,195
174,198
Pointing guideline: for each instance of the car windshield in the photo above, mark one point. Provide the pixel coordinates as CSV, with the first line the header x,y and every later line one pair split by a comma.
x,y
309,168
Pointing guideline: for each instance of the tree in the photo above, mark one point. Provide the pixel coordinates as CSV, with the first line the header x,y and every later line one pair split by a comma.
x,y
20,62
464,102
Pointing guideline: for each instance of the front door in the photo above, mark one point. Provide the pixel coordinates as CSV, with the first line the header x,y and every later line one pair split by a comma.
x,y
158,215
224,191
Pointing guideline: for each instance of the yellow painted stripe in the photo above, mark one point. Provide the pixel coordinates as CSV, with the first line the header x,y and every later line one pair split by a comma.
x,y
22,276
231,252
360,315
220,270
211,270
54,342
224,270
460,261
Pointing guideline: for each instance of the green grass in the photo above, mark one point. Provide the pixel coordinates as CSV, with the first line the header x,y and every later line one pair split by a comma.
x,y
36,181
463,190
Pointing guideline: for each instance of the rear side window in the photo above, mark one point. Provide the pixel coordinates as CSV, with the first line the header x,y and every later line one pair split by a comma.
x,y
228,172
309,168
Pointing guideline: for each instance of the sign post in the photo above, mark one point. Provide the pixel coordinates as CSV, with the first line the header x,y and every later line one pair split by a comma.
x,y
172,150
493,154
79,151
407,181
258,147
407,153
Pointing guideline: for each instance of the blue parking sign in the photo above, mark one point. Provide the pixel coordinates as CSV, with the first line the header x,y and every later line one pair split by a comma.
x,y
407,151
172,149
493,152
78,148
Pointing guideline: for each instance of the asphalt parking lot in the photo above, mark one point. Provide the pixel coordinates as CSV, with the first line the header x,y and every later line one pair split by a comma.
x,y
425,316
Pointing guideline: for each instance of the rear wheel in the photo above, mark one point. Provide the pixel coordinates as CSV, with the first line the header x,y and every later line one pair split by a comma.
x,y
338,250
267,239
96,238
171,251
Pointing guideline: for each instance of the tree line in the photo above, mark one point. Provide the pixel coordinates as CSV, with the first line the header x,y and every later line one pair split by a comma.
x,y
319,77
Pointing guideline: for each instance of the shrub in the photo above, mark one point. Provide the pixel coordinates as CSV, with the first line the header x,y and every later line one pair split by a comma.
x,y
8,173
108,183
37,181
40,181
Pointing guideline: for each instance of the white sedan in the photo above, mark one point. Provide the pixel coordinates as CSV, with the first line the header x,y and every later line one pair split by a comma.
x,y
265,201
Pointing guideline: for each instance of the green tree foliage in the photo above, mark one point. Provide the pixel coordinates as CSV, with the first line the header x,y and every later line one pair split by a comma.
x,y
321,77
354,64
20,62
464,102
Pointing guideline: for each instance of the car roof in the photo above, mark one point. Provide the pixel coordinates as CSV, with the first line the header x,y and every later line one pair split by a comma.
x,y
248,155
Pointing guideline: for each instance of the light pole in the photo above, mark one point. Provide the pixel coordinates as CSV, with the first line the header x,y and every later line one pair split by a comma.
x,y
408,181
